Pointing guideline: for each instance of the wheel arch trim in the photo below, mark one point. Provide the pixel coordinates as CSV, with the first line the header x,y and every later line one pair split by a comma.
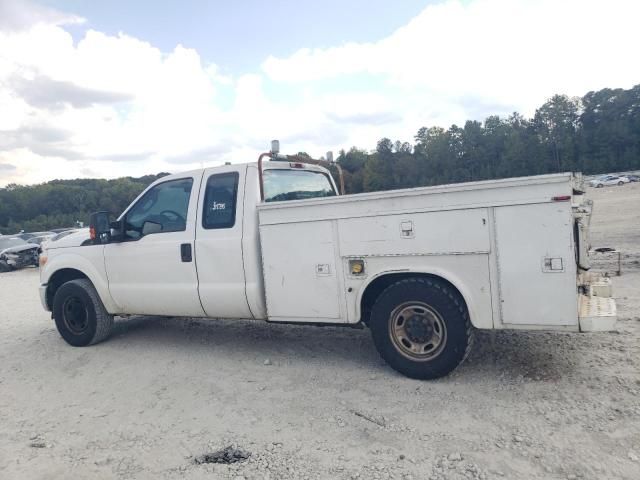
x,y
441,273
73,262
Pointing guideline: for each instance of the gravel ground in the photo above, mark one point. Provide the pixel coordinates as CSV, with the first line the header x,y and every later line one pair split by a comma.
x,y
318,402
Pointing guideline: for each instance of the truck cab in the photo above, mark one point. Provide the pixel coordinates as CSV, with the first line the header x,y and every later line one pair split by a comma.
x,y
188,245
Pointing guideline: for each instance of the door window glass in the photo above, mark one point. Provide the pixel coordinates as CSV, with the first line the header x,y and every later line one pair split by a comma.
x,y
162,209
220,201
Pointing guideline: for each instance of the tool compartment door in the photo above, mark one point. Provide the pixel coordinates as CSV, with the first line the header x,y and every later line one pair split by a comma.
x,y
302,272
536,263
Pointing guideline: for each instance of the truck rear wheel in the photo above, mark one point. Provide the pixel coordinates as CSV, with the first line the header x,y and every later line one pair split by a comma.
x,y
80,316
421,328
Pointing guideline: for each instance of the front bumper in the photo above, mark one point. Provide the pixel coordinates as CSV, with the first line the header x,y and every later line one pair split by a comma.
x,y
43,297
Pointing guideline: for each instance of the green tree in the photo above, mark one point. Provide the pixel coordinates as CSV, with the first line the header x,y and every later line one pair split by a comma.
x,y
378,170
556,123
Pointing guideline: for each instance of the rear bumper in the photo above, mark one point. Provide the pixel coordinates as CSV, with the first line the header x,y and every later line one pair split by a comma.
x,y
43,297
597,314
597,308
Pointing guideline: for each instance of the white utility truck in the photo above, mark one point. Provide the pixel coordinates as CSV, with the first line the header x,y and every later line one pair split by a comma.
x,y
274,240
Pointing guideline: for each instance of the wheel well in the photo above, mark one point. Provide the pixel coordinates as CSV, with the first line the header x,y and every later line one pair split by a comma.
x,y
377,286
59,278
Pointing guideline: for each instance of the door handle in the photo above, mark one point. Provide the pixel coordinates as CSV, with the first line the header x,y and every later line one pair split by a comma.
x,y
185,252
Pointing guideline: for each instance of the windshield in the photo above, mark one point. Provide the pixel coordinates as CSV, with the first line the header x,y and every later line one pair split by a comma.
x,y
295,185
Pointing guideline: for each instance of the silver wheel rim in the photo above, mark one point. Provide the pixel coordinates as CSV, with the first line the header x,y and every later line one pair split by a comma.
x,y
417,331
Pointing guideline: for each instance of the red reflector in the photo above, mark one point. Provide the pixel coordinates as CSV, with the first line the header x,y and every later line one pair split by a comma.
x,y
561,198
296,165
92,233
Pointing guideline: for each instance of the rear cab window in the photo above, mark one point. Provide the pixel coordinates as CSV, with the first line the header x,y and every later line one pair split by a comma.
x,y
220,201
283,184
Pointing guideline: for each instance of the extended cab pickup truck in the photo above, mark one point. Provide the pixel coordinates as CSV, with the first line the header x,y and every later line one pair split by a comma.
x,y
273,240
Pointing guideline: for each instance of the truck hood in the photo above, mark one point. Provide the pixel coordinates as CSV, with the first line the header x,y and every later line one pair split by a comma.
x,y
71,240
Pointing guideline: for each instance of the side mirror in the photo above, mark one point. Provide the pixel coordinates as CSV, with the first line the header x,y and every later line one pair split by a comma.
x,y
99,227
117,230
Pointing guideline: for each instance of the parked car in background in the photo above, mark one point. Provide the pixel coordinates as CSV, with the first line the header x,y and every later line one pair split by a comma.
x,y
26,236
608,180
16,253
633,178
63,234
41,238
8,241
23,235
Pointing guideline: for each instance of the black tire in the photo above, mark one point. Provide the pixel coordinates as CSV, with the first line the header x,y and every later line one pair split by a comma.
x,y
80,316
4,266
599,185
431,302
620,183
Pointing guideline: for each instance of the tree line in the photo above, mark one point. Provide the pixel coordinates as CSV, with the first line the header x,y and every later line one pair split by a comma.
x,y
597,133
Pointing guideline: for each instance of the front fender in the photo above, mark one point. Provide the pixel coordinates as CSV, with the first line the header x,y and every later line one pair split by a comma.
x,y
90,262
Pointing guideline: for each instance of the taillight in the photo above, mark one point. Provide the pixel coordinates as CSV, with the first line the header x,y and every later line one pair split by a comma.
x,y
561,198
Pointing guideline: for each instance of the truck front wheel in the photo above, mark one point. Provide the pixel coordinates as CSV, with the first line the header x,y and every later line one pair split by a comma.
x,y
80,316
421,328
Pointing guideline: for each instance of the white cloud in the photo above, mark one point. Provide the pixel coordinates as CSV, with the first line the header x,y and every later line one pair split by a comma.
x,y
18,15
513,52
116,105
118,97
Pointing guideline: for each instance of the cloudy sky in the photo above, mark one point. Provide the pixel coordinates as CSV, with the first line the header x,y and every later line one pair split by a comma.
x,y
105,89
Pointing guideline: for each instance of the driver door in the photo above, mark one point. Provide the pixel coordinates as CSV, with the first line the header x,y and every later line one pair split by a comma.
x,y
152,271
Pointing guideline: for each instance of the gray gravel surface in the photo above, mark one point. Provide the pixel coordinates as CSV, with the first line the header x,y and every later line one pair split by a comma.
x,y
318,402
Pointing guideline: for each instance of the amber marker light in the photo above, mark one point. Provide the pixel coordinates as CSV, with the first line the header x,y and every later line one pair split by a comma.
x,y
356,267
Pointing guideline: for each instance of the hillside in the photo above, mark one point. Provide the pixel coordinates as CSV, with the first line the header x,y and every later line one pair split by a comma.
x,y
59,203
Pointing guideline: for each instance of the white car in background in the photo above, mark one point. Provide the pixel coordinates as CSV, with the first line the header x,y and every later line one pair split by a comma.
x,y
607,180
16,253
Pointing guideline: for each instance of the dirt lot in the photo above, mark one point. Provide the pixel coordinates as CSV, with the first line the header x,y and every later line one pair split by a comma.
x,y
318,402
